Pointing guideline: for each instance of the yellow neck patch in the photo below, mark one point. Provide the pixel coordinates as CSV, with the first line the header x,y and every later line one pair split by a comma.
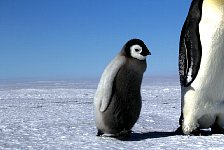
x,y
216,6
214,3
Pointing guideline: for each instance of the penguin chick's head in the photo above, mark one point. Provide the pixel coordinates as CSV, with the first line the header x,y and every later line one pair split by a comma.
x,y
137,49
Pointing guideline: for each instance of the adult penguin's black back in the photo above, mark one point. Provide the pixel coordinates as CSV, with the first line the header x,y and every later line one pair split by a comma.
x,y
190,45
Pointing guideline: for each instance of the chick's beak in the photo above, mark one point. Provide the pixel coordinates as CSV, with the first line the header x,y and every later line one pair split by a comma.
x,y
147,53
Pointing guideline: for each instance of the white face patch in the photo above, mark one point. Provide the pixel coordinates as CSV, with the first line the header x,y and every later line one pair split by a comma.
x,y
136,52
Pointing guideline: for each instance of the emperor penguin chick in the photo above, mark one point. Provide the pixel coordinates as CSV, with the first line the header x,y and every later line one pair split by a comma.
x,y
118,97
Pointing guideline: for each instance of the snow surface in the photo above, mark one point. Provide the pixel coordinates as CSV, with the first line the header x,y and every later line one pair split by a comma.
x,y
59,115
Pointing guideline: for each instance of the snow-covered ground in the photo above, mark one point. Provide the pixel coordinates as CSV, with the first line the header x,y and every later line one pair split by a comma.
x,y
59,115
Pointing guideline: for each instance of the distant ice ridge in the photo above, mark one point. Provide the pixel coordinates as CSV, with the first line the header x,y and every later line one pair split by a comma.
x,y
46,94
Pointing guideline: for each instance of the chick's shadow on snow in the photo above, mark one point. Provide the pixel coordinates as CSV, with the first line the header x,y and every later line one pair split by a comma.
x,y
148,135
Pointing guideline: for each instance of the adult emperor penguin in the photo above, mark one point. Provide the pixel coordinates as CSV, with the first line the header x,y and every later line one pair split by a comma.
x,y
118,99
201,67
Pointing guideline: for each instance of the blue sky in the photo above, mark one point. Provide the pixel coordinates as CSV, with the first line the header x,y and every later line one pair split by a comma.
x,y
68,39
